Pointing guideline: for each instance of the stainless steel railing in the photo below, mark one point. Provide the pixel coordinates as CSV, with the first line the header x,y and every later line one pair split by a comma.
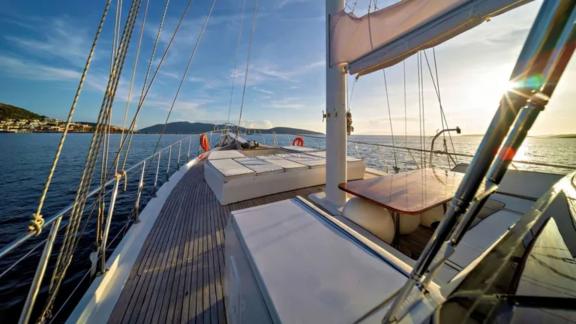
x,y
57,221
443,153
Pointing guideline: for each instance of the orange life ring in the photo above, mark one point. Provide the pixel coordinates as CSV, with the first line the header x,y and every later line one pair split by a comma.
x,y
298,141
204,142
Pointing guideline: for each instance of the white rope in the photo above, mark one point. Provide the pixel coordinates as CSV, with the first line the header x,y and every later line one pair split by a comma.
x,y
143,91
37,221
185,74
238,43
134,70
147,87
246,70
390,121
66,252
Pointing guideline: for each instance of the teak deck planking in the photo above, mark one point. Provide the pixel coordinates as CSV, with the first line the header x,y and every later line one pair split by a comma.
x,y
178,276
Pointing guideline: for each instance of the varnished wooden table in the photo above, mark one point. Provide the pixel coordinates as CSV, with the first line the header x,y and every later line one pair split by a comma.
x,y
411,192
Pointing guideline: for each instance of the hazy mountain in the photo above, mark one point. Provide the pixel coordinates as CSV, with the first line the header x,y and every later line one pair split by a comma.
x,y
197,128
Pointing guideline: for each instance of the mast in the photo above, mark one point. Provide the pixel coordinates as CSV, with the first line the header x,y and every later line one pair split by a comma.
x,y
336,140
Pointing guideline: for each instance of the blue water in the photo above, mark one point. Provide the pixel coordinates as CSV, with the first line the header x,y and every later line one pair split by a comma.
x,y
26,158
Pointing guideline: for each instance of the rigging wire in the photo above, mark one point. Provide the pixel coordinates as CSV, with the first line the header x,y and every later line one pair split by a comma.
x,y
149,85
70,241
250,44
238,43
130,132
396,169
436,84
406,112
106,145
37,221
134,70
185,74
420,104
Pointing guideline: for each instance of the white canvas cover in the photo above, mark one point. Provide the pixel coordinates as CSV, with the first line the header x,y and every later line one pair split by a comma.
x,y
409,25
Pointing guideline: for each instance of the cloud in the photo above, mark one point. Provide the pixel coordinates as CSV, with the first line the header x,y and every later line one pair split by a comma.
x,y
284,3
261,72
59,38
36,71
287,103
264,124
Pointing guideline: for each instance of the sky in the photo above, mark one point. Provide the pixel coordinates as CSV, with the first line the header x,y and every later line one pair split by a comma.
x,y
44,44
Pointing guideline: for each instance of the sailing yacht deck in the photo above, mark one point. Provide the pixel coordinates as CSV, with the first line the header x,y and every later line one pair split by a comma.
x,y
178,274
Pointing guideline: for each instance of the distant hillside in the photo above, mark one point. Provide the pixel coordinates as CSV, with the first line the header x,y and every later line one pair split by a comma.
x,y
560,136
197,128
12,112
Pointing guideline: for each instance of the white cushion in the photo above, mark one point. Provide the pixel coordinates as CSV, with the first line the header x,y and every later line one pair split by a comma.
x,y
432,216
374,218
408,223
226,154
299,148
282,162
308,160
259,166
323,154
230,168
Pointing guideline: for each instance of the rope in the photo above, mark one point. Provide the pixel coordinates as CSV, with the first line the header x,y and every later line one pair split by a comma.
x,y
238,42
185,74
390,121
436,84
134,70
420,104
146,75
250,43
70,238
149,85
37,222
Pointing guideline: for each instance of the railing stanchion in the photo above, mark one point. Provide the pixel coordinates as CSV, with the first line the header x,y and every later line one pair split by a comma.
x,y
108,223
169,158
179,149
157,170
139,194
189,147
40,271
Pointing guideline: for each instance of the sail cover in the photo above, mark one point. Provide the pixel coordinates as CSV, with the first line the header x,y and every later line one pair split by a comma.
x,y
387,36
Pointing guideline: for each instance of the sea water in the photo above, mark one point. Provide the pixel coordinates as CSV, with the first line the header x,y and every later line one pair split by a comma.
x,y
25,160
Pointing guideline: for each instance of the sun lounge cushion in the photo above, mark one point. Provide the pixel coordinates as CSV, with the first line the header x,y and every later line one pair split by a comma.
x,y
259,166
308,160
287,165
299,148
227,154
230,168
322,154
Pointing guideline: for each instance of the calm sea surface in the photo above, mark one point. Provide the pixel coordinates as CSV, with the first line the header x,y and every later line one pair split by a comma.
x,y
25,160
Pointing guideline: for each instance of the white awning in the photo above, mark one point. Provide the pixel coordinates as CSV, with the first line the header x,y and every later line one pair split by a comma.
x,y
389,35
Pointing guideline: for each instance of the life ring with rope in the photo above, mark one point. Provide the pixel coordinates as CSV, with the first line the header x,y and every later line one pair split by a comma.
x,y
298,141
204,143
